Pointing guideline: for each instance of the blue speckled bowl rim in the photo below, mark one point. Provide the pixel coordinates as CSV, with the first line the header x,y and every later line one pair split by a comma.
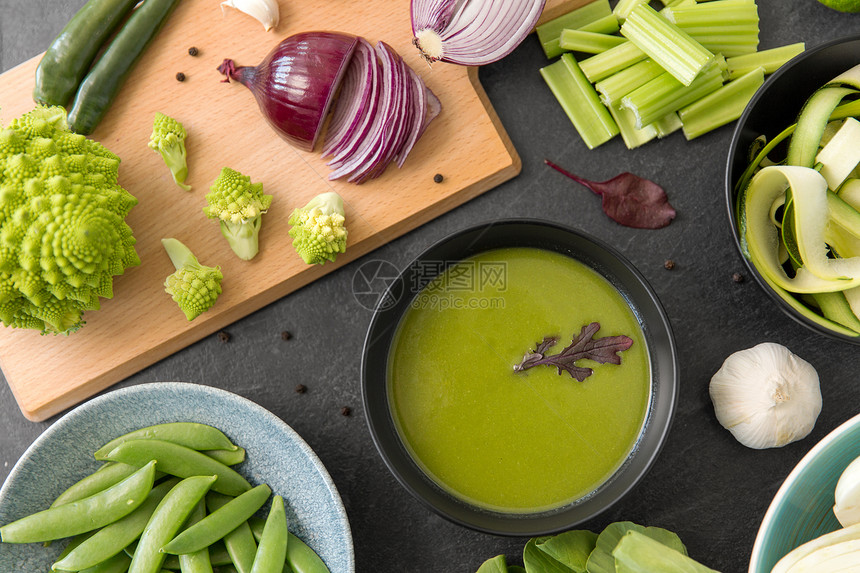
x,y
70,418
794,479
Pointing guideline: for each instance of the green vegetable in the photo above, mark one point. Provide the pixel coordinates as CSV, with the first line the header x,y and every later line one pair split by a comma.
x,y
721,106
110,539
570,548
83,515
318,229
272,551
220,522
103,81
497,564
62,231
227,457
239,206
189,434
601,559
194,287
166,520
107,475
181,462
666,43
588,42
300,557
626,122
728,27
549,33
240,542
619,84
579,101
168,139
198,561
638,553
67,59
601,66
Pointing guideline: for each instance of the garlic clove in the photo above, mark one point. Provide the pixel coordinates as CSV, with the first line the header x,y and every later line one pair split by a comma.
x,y
265,11
847,495
766,396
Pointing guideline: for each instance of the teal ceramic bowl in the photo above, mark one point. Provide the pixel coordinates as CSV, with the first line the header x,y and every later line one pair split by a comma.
x,y
802,509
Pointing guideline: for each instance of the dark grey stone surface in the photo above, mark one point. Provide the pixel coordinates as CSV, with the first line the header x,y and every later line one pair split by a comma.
x,y
705,486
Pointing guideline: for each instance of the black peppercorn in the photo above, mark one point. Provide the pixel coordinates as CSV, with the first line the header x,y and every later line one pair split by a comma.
x,y
669,264
286,335
180,77
192,51
438,178
345,411
223,336
301,388
738,277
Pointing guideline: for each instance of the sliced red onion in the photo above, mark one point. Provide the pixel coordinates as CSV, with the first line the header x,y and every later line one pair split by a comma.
x,y
419,111
356,95
472,32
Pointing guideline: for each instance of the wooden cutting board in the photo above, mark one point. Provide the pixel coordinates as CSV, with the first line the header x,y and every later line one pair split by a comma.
x,y
141,324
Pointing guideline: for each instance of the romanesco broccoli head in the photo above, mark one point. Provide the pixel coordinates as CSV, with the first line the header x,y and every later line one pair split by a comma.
x,y
63,234
318,229
194,287
239,205
168,138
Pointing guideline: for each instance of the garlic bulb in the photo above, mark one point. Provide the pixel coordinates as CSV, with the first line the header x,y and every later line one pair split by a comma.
x,y
847,494
766,396
266,11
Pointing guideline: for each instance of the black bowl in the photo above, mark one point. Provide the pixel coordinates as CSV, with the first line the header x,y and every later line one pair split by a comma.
x,y
773,108
520,233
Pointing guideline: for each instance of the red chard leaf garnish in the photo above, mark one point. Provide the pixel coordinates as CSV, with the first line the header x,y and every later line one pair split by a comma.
x,y
629,199
602,350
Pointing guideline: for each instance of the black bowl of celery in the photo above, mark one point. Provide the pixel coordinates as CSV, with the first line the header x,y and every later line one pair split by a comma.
x,y
483,416
775,108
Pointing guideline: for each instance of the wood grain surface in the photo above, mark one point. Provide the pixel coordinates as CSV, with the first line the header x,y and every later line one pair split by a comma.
x,y
141,324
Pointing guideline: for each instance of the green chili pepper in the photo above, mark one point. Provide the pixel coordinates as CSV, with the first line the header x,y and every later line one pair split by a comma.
x,y
240,542
112,538
181,462
198,561
166,520
189,434
83,515
272,551
219,522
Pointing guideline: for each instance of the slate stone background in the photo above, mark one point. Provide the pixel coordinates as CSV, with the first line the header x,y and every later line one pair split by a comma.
x,y
705,486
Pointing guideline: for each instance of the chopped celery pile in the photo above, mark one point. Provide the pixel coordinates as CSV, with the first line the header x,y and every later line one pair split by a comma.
x,y
691,66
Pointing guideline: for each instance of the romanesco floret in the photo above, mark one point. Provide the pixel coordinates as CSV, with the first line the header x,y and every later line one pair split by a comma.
x,y
63,236
318,229
194,287
239,205
168,138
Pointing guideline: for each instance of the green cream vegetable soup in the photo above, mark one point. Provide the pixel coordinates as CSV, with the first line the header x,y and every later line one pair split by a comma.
x,y
515,442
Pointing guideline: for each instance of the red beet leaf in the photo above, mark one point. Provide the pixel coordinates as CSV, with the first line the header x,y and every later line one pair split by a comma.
x,y
629,199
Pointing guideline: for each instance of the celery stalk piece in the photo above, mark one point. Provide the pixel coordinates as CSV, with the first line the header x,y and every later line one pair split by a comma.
x,y
587,42
666,43
626,122
606,25
729,46
841,154
618,85
579,101
602,65
770,60
624,7
667,125
549,32
713,14
665,94
721,106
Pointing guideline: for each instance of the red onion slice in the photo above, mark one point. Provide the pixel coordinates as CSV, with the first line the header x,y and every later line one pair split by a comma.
x,y
419,111
350,144
356,96
472,32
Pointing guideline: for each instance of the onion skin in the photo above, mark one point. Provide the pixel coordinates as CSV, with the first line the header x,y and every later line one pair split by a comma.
x,y
295,84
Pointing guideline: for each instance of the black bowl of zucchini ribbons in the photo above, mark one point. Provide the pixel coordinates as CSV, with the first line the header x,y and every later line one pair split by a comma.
x,y
792,275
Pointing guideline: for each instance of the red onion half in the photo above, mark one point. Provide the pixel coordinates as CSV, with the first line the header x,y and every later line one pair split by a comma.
x,y
472,32
379,105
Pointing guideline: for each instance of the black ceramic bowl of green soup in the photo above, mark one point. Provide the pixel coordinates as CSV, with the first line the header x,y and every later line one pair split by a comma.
x,y
517,452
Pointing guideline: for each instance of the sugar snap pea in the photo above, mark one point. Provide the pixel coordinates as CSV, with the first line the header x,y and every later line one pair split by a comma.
x,y
272,551
66,60
83,515
219,522
166,520
116,564
300,557
105,78
189,434
240,542
227,457
112,538
198,561
180,461
107,475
